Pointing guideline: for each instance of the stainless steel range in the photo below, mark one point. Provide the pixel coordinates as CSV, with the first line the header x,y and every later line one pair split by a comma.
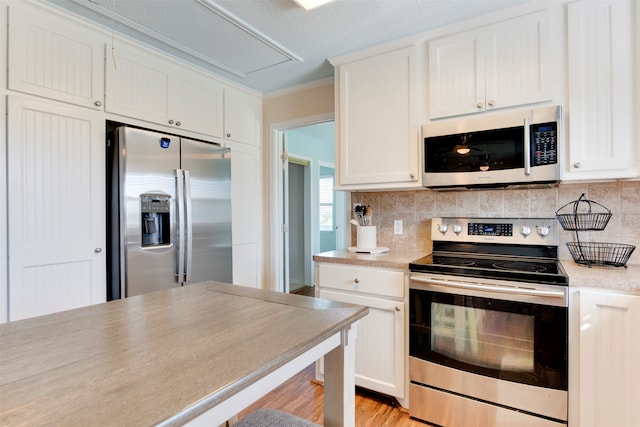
x,y
488,325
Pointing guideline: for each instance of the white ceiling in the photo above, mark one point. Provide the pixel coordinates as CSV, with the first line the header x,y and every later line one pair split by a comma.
x,y
270,45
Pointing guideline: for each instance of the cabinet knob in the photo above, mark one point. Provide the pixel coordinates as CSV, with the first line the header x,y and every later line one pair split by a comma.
x,y
356,280
97,250
170,121
412,175
490,103
479,105
577,165
97,103
178,123
228,135
397,308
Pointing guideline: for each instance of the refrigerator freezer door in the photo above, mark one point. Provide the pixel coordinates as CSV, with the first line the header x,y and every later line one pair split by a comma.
x,y
147,167
209,170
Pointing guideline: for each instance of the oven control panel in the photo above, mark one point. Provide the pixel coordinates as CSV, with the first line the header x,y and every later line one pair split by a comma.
x,y
527,231
483,229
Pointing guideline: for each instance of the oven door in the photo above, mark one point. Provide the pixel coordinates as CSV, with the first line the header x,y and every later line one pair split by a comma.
x,y
473,339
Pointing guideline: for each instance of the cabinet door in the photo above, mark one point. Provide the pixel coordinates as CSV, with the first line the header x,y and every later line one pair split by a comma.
x,y
378,140
195,103
137,84
56,205
380,344
602,112
609,354
456,75
54,58
247,219
516,66
242,117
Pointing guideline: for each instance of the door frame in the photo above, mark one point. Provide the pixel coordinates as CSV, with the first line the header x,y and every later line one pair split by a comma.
x,y
307,202
276,199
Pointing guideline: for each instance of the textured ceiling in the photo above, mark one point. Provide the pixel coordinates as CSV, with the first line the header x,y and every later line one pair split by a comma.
x,y
270,45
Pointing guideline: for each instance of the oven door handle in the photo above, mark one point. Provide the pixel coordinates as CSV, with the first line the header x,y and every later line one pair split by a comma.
x,y
492,288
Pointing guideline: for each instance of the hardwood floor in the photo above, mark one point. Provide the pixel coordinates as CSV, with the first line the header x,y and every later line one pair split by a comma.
x,y
303,397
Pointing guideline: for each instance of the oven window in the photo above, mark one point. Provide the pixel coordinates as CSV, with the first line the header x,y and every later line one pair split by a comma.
x,y
514,341
486,338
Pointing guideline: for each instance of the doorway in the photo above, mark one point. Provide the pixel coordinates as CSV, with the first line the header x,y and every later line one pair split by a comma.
x,y
299,185
303,140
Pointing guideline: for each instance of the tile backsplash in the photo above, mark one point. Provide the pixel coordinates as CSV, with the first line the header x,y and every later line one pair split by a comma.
x,y
416,208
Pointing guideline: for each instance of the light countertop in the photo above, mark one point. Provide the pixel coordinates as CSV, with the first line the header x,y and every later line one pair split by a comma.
x,y
392,259
606,278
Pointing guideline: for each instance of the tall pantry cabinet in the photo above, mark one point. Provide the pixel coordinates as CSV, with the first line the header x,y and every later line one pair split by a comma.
x,y
55,134
55,163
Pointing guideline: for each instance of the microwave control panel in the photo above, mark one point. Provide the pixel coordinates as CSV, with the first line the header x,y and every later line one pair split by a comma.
x,y
544,144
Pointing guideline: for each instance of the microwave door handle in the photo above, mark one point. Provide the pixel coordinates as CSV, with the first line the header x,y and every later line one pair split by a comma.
x,y
527,146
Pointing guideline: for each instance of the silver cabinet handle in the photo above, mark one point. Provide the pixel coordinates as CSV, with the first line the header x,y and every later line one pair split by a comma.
x,y
412,175
356,280
479,105
97,250
490,103
577,165
178,123
97,103
170,121
228,135
397,308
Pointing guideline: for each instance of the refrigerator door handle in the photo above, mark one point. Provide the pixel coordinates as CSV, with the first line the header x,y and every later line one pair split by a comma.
x,y
180,225
189,225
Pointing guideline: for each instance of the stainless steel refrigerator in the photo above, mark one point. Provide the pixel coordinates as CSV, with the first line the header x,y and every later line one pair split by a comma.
x,y
170,212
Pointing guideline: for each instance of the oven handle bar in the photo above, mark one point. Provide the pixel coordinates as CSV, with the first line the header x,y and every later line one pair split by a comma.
x,y
492,288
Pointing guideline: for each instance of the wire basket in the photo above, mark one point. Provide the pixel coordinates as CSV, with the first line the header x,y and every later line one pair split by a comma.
x,y
597,253
583,221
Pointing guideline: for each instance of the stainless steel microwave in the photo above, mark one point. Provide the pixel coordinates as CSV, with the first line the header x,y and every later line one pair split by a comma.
x,y
497,150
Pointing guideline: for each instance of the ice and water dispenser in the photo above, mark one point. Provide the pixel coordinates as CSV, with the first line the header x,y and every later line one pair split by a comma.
x,y
155,220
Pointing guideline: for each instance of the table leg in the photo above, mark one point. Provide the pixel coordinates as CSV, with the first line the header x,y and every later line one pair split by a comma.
x,y
339,382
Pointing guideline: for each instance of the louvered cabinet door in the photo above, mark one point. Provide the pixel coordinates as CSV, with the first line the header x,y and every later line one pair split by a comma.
x,y
56,207
55,58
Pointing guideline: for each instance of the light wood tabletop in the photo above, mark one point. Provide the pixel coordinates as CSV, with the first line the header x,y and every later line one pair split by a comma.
x,y
165,357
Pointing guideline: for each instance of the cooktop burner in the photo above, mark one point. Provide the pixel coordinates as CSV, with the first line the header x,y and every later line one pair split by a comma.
x,y
525,269
520,266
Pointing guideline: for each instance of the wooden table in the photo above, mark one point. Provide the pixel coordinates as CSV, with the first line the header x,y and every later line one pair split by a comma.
x,y
197,354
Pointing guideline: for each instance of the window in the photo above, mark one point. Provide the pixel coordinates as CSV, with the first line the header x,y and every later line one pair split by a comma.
x,y
326,203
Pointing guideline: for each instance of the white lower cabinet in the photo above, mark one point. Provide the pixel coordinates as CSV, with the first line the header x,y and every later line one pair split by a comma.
x,y
381,344
606,373
56,205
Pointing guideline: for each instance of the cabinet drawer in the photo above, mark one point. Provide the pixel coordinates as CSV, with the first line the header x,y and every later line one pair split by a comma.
x,y
370,280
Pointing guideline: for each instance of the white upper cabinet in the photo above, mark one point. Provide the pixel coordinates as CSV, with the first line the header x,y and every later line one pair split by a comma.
x,y
145,86
602,112
242,117
498,66
53,57
377,144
